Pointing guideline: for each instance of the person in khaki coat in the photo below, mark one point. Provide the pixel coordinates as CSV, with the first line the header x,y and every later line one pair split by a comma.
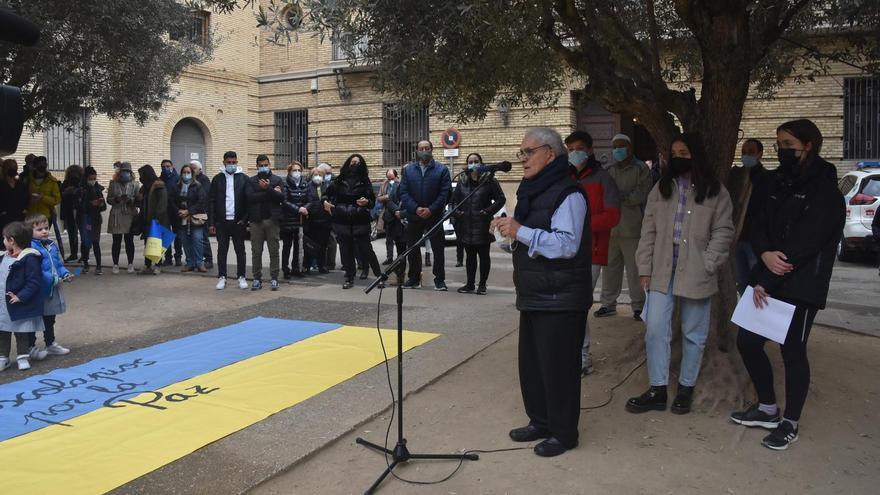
x,y
686,236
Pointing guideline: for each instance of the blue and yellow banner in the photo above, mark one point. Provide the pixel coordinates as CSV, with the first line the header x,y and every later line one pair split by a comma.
x,y
158,240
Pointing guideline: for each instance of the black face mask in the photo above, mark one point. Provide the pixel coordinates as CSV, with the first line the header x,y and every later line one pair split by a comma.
x,y
680,166
11,172
787,157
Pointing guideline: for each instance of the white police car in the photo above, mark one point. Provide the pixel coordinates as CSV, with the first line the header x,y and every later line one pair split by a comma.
x,y
861,190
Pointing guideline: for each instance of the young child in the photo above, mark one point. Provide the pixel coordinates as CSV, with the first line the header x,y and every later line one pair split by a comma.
x,y
21,281
54,272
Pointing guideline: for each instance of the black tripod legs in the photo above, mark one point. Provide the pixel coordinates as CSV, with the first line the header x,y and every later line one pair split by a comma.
x,y
401,454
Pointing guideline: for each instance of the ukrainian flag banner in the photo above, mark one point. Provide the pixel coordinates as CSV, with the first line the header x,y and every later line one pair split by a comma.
x,y
158,240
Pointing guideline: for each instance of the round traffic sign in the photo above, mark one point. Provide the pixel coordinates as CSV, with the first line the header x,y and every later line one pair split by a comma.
x,y
451,138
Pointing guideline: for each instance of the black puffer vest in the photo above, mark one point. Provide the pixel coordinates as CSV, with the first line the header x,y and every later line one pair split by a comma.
x,y
544,284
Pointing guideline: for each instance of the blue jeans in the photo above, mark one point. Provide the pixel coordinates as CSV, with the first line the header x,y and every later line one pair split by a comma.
x,y
694,328
745,261
193,239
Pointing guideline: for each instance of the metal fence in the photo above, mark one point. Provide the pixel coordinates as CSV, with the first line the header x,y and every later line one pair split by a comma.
x,y
291,137
403,127
65,146
197,29
861,118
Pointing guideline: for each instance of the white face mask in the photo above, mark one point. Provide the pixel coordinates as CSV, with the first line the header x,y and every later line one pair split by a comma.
x,y
296,175
317,179
391,181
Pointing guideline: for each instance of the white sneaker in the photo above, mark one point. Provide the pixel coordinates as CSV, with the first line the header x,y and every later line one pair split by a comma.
x,y
37,354
130,268
115,269
156,270
23,363
56,349
4,363
221,283
242,283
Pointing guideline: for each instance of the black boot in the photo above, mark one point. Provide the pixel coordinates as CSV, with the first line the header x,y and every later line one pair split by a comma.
x,y
652,400
682,402
348,284
364,274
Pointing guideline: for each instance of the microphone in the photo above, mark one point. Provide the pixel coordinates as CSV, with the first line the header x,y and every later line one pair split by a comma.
x,y
504,166
16,29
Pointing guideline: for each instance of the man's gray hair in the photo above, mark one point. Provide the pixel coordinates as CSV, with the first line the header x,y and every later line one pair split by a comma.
x,y
195,163
325,167
548,136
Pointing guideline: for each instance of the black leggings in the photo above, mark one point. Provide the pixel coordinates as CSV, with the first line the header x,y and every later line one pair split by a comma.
x,y
794,355
473,250
291,239
117,247
48,333
357,246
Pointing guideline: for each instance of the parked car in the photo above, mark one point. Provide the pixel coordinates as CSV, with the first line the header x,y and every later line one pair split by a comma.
x,y
861,190
449,230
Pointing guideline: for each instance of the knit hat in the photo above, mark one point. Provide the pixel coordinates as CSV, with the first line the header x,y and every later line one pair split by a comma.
x,y
621,137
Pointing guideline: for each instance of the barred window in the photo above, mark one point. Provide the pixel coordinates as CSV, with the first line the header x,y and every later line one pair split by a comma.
x,y
345,44
64,146
291,137
403,126
196,30
861,118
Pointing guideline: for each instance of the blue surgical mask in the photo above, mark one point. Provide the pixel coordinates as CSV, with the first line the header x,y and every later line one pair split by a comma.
x,y
264,170
231,168
578,159
619,154
473,166
749,161
125,176
186,178
328,177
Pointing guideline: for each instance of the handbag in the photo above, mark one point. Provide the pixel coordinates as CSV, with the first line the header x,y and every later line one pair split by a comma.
x,y
199,219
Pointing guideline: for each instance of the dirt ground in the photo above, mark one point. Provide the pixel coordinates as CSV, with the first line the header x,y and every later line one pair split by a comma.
x,y
475,405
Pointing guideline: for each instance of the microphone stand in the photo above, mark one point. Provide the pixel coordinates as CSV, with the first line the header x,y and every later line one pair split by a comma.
x,y
400,453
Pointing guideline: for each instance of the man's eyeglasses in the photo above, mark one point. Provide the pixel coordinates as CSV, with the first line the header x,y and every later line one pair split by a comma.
x,y
527,153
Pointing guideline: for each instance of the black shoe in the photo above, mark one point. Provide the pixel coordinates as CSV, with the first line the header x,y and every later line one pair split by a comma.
x,y
605,311
481,289
637,315
177,262
652,400
466,289
286,275
257,285
307,271
348,284
550,448
427,259
323,271
779,439
683,399
209,265
364,274
440,286
755,417
296,274
388,261
413,284
85,268
528,433
71,259
458,264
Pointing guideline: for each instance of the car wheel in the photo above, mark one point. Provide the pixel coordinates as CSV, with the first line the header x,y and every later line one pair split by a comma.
x,y
844,253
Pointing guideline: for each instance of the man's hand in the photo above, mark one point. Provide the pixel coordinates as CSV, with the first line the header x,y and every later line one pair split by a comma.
x,y
645,283
277,188
303,211
362,202
328,206
423,213
507,225
13,298
212,230
776,262
264,184
760,297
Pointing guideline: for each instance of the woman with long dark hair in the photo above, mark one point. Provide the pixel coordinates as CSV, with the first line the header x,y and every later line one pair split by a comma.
x,y
71,197
89,218
153,198
350,198
686,236
797,214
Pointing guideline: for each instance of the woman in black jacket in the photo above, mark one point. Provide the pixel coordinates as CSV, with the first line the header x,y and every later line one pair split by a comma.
x,y
349,200
71,197
294,215
472,221
796,215
191,207
88,214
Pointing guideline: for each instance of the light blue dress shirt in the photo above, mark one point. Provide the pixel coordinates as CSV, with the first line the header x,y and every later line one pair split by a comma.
x,y
563,239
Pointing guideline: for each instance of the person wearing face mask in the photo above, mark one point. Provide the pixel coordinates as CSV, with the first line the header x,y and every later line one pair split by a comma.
x,y
122,194
633,179
318,225
686,237
205,182
227,217
89,219
13,194
390,201
191,206
265,192
424,192
332,245
43,187
295,215
171,179
751,154
472,221
153,200
349,200
604,201
798,220
71,197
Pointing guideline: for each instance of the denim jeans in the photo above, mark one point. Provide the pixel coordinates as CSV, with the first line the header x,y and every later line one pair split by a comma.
x,y
193,239
745,261
694,328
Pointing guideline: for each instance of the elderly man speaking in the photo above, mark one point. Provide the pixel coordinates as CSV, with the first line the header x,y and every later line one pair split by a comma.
x,y
551,263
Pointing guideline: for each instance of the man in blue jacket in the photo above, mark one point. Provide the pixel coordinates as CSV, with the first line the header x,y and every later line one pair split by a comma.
x,y
424,192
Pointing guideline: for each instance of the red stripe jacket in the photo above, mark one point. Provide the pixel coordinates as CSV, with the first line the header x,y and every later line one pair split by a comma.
x,y
604,200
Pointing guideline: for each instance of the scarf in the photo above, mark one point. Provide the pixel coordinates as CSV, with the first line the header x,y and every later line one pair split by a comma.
x,y
554,172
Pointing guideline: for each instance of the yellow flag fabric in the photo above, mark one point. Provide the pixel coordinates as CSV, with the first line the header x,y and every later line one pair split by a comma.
x,y
153,250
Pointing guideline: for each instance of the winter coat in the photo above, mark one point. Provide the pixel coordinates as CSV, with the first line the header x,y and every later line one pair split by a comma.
x,y
393,226
154,206
25,280
802,215
71,197
13,202
317,195
217,198
122,212
296,197
350,219
756,174
51,195
195,201
52,267
604,200
430,190
706,235
473,216
264,203
634,182
89,194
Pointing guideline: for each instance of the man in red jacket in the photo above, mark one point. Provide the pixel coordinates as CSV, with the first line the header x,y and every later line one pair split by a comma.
x,y
604,202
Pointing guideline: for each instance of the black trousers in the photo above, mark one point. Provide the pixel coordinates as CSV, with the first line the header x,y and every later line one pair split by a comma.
x,y
459,251
414,232
206,249
320,233
116,248
291,239
794,356
48,333
72,237
178,246
550,370
473,251
21,340
226,230
348,245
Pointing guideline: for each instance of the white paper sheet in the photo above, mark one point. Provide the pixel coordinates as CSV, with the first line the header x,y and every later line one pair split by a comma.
x,y
772,321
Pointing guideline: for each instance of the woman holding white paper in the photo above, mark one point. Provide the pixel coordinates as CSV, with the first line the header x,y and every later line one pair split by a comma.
x,y
797,214
686,235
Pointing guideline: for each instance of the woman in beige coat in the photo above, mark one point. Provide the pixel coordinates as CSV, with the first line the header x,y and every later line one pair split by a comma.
x,y
686,237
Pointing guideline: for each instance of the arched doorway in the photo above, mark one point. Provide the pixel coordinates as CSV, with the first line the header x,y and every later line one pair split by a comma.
x,y
187,143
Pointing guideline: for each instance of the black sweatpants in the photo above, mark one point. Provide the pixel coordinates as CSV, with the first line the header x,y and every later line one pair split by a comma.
x,y
226,230
21,341
48,333
349,245
291,239
116,248
473,251
320,234
550,370
794,355
414,232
